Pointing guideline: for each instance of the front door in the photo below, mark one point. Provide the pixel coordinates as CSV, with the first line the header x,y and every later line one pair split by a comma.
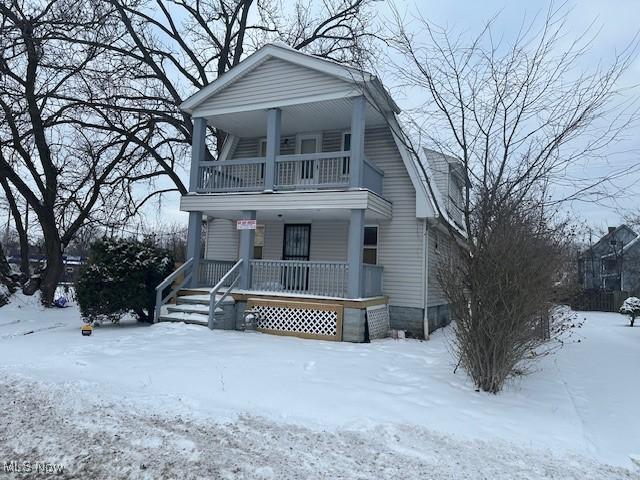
x,y
297,240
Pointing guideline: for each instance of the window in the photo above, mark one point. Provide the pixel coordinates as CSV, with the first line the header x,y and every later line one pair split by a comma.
x,y
346,147
370,252
258,243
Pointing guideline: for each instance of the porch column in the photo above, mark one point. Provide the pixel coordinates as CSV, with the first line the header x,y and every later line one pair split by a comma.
x,y
245,252
194,241
354,253
358,111
274,120
197,151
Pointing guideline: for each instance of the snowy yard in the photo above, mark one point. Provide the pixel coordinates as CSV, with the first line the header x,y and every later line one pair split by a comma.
x,y
168,400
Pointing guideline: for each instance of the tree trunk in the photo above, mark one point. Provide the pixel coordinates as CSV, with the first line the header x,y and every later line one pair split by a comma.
x,y
52,273
21,228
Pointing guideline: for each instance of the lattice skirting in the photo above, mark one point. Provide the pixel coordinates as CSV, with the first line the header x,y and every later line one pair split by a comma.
x,y
299,319
378,319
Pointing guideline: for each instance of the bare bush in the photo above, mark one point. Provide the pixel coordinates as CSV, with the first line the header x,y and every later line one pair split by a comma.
x,y
501,294
524,118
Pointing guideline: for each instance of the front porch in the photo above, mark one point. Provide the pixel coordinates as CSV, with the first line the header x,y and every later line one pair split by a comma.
x,y
294,277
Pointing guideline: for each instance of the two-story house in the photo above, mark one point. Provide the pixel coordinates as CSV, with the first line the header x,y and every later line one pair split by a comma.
x,y
316,210
612,263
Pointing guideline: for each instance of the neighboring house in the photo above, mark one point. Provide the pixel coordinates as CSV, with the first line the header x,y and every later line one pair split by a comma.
x,y
612,262
343,215
72,265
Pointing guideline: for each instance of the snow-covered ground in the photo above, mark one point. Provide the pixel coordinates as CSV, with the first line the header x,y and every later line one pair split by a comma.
x,y
172,399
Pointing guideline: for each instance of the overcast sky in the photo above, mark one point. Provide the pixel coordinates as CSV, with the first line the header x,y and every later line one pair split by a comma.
x,y
618,22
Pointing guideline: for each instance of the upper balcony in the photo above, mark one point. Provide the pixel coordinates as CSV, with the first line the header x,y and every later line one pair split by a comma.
x,y
311,171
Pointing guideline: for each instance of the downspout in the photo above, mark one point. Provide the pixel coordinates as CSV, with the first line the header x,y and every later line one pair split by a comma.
x,y
425,278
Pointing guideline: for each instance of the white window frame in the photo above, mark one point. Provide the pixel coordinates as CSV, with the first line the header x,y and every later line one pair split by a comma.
x,y
317,136
375,247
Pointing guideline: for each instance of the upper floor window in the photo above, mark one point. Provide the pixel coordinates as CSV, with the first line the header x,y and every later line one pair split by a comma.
x,y
370,251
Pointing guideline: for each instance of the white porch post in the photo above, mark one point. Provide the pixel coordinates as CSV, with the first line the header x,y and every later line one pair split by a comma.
x,y
358,112
247,238
274,120
354,253
194,242
197,151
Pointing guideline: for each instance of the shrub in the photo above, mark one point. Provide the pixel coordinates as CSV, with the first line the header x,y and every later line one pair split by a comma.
x,y
120,277
631,307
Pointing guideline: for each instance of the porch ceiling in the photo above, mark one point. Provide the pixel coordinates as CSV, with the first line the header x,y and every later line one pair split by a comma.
x,y
295,216
290,206
325,115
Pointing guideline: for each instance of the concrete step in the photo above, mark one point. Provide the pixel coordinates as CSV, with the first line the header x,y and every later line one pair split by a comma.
x,y
200,299
194,318
189,308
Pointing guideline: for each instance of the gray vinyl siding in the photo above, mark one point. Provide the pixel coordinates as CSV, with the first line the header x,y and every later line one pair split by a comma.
x,y
400,239
329,241
400,247
222,240
249,147
275,81
246,148
332,141
273,238
436,252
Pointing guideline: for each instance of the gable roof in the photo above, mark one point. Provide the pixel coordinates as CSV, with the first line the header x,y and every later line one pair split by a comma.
x,y
607,237
369,83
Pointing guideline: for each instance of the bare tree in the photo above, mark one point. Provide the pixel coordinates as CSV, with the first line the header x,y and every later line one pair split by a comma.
x,y
65,172
172,48
519,115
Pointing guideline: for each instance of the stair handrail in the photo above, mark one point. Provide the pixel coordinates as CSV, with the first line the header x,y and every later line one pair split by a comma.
x,y
213,303
168,281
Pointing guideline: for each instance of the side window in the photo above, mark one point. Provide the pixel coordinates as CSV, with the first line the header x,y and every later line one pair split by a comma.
x,y
346,146
258,244
370,252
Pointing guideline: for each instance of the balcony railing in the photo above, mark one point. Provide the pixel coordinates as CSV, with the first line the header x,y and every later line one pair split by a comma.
x,y
290,276
313,171
372,280
242,175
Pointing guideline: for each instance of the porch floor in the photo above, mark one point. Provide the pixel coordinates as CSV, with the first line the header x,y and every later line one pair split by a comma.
x,y
241,294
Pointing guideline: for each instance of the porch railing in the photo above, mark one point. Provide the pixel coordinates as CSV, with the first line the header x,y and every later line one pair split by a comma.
x,y
310,171
211,271
372,280
229,280
186,270
242,175
291,276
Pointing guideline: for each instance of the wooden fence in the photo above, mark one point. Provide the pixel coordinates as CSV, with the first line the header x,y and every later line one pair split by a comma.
x,y
599,300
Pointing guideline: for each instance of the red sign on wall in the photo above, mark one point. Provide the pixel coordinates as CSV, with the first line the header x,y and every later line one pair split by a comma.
x,y
246,225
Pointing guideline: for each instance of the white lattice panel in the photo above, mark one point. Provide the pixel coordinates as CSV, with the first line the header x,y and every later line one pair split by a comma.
x,y
298,318
378,320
